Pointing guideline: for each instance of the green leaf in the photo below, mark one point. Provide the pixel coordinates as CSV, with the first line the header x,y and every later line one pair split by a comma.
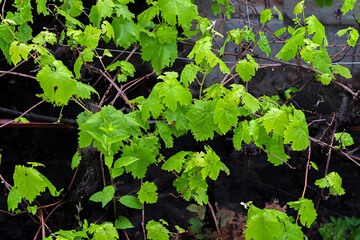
x,y
280,31
345,139
123,223
299,7
262,226
183,11
347,6
172,92
314,26
146,16
125,32
29,182
326,3
175,162
125,161
24,33
131,202
32,209
75,160
45,37
165,134
200,116
297,132
69,18
343,71
18,51
245,69
250,102
105,8
108,29
75,7
265,16
90,37
225,115
306,211
264,44
156,231
160,55
41,7
279,14
179,117
105,231
94,15
275,120
354,36
84,90
104,196
332,181
276,147
325,79
213,165
147,193
289,50
188,74
57,83
153,105
314,165
13,199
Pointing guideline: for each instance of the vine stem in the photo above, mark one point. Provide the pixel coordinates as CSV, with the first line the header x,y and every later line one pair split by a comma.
x,y
24,113
143,216
215,220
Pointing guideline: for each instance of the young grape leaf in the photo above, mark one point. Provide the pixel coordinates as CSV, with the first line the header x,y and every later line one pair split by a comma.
x,y
122,10
147,193
343,71
275,147
104,196
57,83
18,51
156,231
326,3
175,162
333,181
188,74
75,160
225,115
125,32
105,231
262,226
347,6
13,199
179,117
265,16
297,132
289,50
306,210
314,26
264,44
275,120
201,119
165,133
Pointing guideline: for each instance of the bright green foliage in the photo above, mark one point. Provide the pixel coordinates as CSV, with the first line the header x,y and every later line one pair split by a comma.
x,y
28,184
147,193
156,231
275,147
246,69
24,33
347,6
125,32
86,56
306,211
188,74
75,160
105,231
314,26
325,79
264,44
57,83
289,50
280,16
343,71
344,138
299,7
332,181
172,92
131,202
275,121
265,16
175,162
18,51
202,54
90,37
225,115
103,196
45,37
160,55
326,3
212,165
184,11
165,134
200,116
123,223
267,224
297,131
179,117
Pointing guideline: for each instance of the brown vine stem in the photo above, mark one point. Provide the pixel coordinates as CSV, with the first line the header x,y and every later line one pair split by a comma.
x,y
215,220
352,158
17,74
23,113
143,216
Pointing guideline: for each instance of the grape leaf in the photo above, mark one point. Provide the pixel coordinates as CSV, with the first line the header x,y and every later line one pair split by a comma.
x,y
213,165
347,6
299,7
333,181
125,32
314,26
75,160
297,132
306,211
156,231
13,199
250,102
326,3
175,162
45,37
123,11
57,83
200,116
131,202
160,55
262,226
18,51
275,120
265,16
289,50
343,71
184,10
246,69
325,78
188,74
146,16
225,115
105,231
24,33
147,193
165,133
41,7
264,44
179,117
172,92
123,223
153,105
276,147
103,196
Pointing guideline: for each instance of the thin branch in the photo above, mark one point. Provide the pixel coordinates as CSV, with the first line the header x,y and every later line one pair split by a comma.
x,y
215,220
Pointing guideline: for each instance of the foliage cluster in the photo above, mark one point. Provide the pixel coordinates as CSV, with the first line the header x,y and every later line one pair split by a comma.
x,y
131,140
